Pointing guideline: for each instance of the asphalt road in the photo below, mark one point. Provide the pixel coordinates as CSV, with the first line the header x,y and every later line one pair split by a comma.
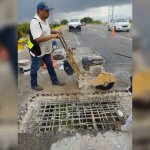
x,y
98,40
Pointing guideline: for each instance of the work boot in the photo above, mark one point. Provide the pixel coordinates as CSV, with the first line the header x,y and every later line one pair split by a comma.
x,y
37,88
58,83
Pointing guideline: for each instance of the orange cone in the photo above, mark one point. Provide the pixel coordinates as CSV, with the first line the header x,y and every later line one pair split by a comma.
x,y
113,31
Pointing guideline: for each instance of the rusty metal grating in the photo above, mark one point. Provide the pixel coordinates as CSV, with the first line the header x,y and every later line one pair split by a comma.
x,y
75,112
99,115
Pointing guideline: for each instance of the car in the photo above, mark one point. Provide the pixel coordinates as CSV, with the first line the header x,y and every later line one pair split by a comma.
x,y
74,24
119,25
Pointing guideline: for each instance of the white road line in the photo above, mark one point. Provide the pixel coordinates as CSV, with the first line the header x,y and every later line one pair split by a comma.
x,y
77,41
124,37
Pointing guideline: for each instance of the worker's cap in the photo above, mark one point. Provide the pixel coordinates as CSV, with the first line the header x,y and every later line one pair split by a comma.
x,y
44,6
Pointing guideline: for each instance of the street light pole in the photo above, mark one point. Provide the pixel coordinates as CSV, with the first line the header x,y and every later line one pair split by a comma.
x,y
112,10
109,11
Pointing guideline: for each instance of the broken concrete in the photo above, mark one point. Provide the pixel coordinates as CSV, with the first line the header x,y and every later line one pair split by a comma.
x,y
107,141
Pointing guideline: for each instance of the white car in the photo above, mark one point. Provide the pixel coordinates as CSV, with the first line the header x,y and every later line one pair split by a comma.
x,y
74,24
119,25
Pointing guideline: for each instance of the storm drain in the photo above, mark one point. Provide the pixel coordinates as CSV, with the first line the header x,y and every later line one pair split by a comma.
x,y
73,115
77,115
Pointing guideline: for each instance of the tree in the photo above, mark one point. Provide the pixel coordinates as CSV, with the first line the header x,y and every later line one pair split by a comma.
x,y
87,20
64,22
23,30
97,22
54,25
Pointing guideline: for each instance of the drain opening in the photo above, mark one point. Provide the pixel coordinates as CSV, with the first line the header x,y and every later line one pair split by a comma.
x,y
77,116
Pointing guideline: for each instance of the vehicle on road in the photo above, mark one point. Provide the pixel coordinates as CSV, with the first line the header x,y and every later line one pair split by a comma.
x,y
119,25
74,24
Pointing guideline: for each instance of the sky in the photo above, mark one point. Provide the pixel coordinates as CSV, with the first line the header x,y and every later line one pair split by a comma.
x,y
68,9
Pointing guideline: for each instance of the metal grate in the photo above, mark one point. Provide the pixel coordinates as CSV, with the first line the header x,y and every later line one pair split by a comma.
x,y
77,115
75,112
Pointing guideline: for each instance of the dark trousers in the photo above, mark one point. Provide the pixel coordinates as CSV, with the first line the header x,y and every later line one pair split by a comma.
x,y
35,66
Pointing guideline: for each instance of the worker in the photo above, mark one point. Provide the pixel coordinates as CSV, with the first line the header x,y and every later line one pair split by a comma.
x,y
41,34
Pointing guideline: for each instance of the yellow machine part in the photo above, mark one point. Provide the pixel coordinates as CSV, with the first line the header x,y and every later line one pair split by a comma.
x,y
21,43
71,57
141,84
20,46
104,79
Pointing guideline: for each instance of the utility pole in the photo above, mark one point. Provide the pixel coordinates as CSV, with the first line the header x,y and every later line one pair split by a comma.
x,y
112,10
109,11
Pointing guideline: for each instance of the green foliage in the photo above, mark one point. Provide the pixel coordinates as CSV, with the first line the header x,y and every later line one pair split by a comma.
x,y
64,22
54,25
97,22
87,20
23,29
